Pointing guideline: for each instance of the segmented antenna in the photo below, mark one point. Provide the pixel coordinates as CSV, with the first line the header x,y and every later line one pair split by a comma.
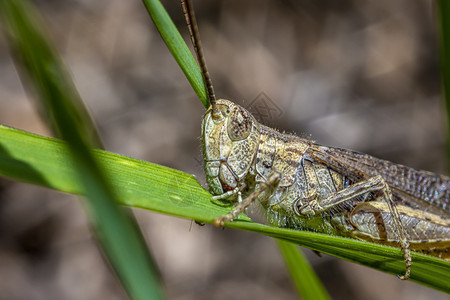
x,y
189,16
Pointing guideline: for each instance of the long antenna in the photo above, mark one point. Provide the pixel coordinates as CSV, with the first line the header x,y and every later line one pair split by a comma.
x,y
189,16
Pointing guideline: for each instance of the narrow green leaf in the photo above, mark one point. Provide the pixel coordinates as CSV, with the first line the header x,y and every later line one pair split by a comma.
x,y
116,231
45,161
305,279
178,47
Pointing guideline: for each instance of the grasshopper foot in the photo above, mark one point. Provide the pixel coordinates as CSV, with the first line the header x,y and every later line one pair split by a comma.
x,y
220,221
408,262
408,271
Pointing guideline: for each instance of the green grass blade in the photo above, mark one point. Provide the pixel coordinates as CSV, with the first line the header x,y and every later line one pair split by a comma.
x,y
178,47
116,231
45,161
305,279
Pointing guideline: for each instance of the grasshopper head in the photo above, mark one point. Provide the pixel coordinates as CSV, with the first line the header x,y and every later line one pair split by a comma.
x,y
230,139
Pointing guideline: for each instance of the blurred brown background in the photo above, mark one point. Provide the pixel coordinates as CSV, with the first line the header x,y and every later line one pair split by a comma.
x,y
356,74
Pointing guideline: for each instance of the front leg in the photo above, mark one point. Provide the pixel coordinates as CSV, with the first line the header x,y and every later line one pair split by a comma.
x,y
238,209
228,195
376,183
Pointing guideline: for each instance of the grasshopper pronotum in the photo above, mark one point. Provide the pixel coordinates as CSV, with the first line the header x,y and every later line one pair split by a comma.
x,y
305,185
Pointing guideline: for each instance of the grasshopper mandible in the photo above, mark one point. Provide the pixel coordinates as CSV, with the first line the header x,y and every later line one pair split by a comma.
x,y
307,186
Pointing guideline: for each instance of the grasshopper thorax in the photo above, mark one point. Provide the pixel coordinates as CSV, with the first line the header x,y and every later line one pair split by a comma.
x,y
230,138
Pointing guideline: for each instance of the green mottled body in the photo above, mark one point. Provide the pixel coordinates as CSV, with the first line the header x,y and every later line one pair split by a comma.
x,y
307,186
300,179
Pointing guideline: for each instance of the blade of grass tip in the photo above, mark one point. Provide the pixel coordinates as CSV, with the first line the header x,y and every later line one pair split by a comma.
x,y
305,279
443,12
177,47
116,231
46,162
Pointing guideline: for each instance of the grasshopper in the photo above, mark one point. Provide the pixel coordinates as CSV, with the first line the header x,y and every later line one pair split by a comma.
x,y
308,186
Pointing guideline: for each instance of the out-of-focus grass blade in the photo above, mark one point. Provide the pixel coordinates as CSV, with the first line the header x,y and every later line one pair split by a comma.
x,y
305,279
44,161
117,232
178,47
45,70
443,12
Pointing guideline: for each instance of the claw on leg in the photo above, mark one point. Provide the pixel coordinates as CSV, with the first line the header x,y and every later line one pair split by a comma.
x,y
408,262
220,221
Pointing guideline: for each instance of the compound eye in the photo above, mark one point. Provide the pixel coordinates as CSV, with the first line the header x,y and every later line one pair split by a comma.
x,y
239,124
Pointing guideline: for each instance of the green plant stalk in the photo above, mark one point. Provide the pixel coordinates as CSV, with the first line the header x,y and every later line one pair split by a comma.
x,y
305,279
46,162
177,47
117,232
